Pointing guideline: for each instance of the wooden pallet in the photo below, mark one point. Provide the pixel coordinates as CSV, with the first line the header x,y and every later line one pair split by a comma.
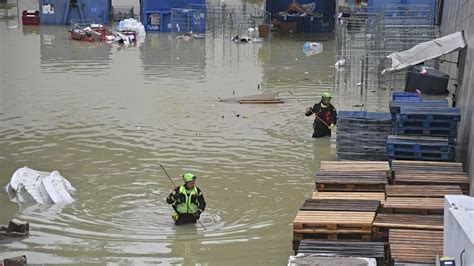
x,y
380,196
351,181
415,246
340,205
427,178
413,205
333,225
343,249
421,191
385,221
426,166
352,166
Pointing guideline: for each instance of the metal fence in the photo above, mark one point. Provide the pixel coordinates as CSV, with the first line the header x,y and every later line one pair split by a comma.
x,y
226,19
364,40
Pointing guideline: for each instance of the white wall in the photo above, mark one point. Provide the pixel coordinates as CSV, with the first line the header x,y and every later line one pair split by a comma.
x,y
459,229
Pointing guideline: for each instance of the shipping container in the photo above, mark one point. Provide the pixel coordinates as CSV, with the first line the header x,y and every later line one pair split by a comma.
x,y
405,8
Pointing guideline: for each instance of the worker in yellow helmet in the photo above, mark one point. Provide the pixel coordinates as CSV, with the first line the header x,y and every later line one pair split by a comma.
x,y
187,200
325,116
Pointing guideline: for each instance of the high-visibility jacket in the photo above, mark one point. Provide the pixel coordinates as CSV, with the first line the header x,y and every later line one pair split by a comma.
x,y
191,203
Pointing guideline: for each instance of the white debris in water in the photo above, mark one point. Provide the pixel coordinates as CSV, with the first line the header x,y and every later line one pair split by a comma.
x,y
28,185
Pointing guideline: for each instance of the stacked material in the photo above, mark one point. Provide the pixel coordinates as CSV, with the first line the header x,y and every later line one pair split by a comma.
x,y
343,208
430,173
411,217
353,176
420,148
425,119
362,135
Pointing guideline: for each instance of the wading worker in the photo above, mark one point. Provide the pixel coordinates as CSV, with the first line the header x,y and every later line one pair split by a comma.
x,y
326,116
187,200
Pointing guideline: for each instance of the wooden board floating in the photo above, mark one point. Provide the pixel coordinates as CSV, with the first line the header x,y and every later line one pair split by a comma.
x,y
340,205
380,196
413,205
421,191
333,225
260,101
415,246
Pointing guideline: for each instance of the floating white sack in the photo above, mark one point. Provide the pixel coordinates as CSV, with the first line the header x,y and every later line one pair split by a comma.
x,y
29,185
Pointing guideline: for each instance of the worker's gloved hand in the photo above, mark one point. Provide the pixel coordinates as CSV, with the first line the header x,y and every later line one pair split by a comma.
x,y
179,197
197,214
309,110
332,127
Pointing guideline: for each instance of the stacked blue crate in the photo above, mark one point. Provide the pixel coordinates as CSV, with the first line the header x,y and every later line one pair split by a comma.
x,y
362,135
424,129
419,148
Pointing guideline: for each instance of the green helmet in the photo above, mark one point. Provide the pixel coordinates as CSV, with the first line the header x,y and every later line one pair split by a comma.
x,y
188,177
326,95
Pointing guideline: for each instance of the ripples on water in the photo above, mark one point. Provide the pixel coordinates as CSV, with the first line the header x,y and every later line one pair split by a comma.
x,y
106,117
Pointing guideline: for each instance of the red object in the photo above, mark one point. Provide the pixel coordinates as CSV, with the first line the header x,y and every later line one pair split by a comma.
x,y
30,17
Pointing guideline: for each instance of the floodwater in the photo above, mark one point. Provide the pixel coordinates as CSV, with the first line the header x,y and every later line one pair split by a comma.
x,y
107,116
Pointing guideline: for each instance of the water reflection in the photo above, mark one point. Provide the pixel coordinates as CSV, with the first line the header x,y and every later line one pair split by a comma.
x,y
163,55
61,54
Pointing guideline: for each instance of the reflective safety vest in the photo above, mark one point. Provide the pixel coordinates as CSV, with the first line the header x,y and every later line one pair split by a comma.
x,y
188,206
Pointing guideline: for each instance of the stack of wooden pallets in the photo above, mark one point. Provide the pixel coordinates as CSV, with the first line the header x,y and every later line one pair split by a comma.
x,y
411,217
343,207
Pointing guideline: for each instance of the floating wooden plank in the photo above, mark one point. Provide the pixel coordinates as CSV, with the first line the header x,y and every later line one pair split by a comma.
x,y
415,246
333,225
380,196
426,191
413,205
353,166
340,205
343,249
260,101
16,228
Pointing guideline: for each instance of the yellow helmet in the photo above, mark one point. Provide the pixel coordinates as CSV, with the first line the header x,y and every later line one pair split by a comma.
x,y
188,177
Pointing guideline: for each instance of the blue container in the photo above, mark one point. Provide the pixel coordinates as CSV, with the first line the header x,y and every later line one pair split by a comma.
x,y
378,5
156,14
64,11
322,23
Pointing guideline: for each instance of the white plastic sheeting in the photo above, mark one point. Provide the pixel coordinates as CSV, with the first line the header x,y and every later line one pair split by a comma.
x,y
425,51
28,185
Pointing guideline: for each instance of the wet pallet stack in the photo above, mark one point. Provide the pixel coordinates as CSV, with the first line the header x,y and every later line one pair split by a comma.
x,y
424,129
362,135
411,218
343,207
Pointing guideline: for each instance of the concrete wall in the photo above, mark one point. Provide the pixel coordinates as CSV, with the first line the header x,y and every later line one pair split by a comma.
x,y
458,15
458,240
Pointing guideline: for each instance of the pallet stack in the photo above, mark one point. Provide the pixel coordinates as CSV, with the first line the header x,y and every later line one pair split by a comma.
x,y
343,208
424,129
362,135
411,217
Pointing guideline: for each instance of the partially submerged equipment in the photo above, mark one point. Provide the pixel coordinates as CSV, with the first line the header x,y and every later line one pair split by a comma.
x,y
29,185
264,98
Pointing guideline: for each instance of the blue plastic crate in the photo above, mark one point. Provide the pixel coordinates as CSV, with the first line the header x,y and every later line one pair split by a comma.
x,y
426,124
422,156
396,105
429,113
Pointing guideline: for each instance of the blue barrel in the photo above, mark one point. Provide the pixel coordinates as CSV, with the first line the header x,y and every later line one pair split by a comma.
x,y
66,11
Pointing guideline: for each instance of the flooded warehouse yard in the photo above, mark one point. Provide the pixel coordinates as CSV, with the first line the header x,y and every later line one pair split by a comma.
x,y
106,116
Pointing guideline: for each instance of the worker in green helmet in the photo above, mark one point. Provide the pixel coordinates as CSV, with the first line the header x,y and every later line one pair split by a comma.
x,y
187,200
325,116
